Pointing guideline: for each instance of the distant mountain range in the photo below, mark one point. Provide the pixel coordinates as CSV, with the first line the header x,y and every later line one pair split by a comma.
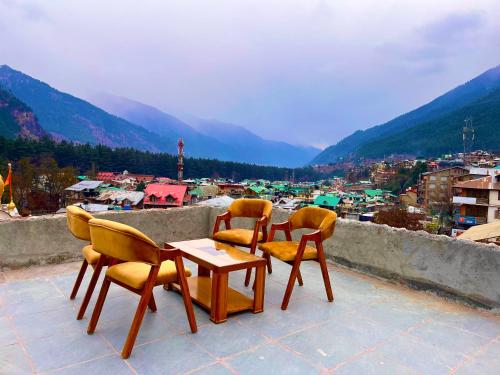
x,y
125,123
207,137
432,129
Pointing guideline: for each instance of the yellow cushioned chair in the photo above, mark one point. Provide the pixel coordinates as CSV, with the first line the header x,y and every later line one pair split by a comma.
x,y
143,266
319,219
78,225
259,209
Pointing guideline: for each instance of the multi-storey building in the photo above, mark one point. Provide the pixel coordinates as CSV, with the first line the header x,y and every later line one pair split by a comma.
x,y
477,201
436,187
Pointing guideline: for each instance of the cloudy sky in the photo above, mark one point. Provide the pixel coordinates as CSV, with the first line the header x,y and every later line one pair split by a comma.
x,y
303,71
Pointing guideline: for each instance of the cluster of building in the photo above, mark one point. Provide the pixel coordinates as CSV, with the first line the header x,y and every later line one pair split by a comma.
x,y
126,191
467,186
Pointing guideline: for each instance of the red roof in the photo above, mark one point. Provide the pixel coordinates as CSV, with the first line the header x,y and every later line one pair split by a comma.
x,y
165,195
105,175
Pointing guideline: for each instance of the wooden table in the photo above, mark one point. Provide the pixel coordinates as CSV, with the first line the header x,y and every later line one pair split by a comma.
x,y
213,293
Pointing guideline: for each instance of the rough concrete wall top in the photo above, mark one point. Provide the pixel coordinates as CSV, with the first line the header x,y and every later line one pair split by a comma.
x,y
46,239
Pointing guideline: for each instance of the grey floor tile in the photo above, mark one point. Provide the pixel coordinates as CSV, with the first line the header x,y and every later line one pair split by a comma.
x,y
486,363
59,351
274,322
271,359
449,338
48,323
7,333
153,327
421,356
374,364
215,369
326,344
173,355
488,327
13,361
227,338
399,314
112,364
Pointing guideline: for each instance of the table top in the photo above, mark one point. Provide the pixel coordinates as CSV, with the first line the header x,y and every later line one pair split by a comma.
x,y
217,256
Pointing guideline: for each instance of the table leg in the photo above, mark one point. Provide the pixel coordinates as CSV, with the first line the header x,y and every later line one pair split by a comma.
x,y
202,271
218,305
258,295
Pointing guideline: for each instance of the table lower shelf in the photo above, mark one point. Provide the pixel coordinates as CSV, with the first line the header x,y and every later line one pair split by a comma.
x,y
200,289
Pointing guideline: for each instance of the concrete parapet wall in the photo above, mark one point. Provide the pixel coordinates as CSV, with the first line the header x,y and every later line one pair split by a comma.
x,y
46,239
461,268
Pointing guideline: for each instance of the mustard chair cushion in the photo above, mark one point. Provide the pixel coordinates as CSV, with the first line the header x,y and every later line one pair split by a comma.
x,y
77,220
135,274
90,255
236,236
245,207
287,250
122,242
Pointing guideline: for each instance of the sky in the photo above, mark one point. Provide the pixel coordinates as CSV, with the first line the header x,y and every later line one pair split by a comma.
x,y
303,71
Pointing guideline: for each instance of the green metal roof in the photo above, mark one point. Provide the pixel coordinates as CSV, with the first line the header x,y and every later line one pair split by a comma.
x,y
326,200
373,192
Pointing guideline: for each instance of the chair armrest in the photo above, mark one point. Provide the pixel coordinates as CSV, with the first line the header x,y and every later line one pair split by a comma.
x,y
314,236
169,253
262,223
280,226
226,217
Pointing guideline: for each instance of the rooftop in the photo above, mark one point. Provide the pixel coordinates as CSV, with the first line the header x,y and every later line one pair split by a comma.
x,y
372,327
484,183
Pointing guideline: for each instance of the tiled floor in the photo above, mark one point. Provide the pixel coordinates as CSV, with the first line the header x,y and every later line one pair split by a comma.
x,y
372,327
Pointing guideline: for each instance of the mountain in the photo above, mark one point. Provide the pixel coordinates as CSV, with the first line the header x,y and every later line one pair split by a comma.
x,y
250,146
444,134
17,119
67,117
208,138
163,124
460,97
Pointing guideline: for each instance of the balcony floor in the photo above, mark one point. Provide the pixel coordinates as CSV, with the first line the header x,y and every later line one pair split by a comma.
x,y
372,327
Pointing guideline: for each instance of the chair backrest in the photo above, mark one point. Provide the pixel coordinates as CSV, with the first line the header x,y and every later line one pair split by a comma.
x,y
256,208
123,242
78,222
314,218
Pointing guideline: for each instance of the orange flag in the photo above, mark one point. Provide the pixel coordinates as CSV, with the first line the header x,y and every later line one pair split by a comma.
x,y
8,180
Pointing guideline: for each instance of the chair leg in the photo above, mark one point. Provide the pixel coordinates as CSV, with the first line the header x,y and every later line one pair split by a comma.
x,y
249,270
79,279
188,304
291,283
147,292
248,275
91,287
299,278
98,306
152,303
269,265
324,271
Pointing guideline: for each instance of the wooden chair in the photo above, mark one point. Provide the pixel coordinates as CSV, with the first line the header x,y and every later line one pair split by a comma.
x,y
259,209
292,252
77,220
143,266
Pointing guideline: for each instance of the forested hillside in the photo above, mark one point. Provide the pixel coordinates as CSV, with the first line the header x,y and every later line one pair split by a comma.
x,y
17,119
105,158
460,97
444,135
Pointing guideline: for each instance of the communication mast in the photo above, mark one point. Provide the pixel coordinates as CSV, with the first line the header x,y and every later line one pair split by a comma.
x,y
180,162
468,137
